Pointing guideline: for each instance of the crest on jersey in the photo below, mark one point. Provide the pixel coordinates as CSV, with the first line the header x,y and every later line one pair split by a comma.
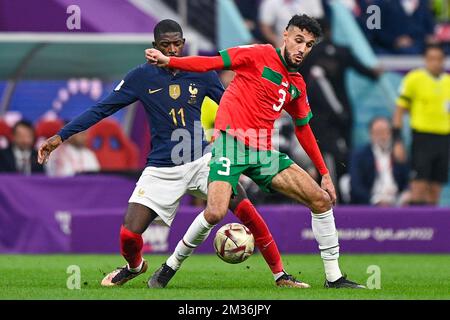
x,y
193,91
174,91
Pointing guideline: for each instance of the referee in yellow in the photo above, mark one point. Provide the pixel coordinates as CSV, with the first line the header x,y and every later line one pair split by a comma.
x,y
425,94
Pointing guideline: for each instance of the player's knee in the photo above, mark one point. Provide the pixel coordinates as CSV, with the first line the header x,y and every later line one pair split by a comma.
x,y
321,202
214,215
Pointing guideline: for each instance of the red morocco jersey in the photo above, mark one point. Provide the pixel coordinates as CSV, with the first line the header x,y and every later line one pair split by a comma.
x,y
262,87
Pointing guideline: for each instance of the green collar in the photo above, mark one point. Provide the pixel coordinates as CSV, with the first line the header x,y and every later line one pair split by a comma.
x,y
284,61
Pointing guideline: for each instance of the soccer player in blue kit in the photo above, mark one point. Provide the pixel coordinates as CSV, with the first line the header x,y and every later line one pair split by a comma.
x,y
173,103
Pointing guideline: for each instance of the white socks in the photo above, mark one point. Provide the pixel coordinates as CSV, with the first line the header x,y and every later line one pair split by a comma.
x,y
276,276
326,235
197,233
137,269
332,271
323,228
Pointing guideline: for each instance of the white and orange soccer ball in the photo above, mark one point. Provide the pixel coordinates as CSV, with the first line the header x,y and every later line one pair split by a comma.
x,y
234,243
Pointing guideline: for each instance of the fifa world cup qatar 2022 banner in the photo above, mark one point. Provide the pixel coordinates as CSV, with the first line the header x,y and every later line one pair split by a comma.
x,y
83,214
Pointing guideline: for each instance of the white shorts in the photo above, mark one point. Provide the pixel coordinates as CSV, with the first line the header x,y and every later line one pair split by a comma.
x,y
161,188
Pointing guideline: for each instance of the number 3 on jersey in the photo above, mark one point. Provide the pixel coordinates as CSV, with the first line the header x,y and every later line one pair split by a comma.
x,y
282,97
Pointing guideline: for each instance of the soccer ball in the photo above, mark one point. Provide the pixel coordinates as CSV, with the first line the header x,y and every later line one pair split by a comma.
x,y
234,243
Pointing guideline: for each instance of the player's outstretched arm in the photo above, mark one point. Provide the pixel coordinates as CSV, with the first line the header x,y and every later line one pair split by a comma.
x,y
194,63
47,147
154,56
308,141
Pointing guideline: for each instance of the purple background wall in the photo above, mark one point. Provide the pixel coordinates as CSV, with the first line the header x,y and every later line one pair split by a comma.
x,y
51,16
84,214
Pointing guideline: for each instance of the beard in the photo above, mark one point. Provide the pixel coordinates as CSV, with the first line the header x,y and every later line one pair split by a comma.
x,y
291,64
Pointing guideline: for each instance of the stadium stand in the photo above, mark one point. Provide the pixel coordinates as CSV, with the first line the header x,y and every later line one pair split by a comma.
x,y
5,134
113,149
46,128
42,87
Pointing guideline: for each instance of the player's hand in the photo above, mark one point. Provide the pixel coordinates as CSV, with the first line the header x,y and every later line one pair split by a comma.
x,y
399,152
47,147
156,57
327,185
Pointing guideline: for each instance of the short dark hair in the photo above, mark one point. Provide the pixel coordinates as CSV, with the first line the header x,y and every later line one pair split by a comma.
x,y
432,46
24,123
306,22
166,26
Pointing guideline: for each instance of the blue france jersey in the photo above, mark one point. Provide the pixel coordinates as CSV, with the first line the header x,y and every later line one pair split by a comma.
x,y
173,107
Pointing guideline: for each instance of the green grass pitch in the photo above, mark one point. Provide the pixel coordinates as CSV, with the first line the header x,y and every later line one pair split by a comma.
x,y
207,277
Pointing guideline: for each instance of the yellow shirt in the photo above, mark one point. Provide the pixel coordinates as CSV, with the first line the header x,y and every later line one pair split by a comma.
x,y
208,116
428,99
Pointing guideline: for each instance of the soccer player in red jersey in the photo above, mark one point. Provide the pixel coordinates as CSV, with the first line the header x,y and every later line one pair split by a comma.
x,y
159,190
266,82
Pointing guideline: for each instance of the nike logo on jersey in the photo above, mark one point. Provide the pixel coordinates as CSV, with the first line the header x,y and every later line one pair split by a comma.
x,y
154,91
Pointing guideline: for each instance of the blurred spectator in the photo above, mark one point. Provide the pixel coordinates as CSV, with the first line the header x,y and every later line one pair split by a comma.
x,y
376,177
114,150
324,71
5,134
249,10
362,16
275,14
45,128
425,93
72,158
20,155
406,27
441,10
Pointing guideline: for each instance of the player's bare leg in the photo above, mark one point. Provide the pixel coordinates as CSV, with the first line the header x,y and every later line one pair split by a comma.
x,y
295,183
219,194
136,221
244,210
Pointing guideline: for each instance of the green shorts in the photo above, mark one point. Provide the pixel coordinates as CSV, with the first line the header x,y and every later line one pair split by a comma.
x,y
231,158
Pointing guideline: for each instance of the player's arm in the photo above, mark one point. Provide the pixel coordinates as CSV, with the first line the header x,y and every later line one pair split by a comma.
x,y
122,96
403,104
193,63
308,141
228,59
301,114
397,122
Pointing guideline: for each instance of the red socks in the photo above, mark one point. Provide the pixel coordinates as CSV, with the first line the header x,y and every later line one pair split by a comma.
x,y
131,246
246,212
131,243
